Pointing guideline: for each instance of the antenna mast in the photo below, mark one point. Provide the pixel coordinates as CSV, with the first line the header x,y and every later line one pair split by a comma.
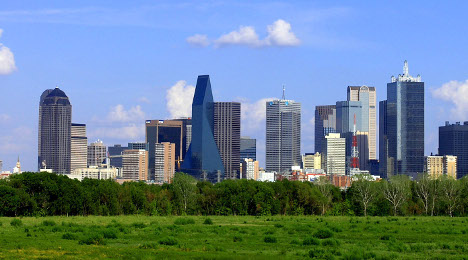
x,y
284,96
354,163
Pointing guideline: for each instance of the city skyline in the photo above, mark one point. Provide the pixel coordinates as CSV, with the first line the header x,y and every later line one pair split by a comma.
x,y
128,95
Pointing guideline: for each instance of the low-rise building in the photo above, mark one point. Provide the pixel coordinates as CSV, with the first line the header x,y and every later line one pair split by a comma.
x,y
438,165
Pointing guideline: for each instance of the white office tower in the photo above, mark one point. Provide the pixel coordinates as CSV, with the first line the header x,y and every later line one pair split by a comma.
x,y
335,154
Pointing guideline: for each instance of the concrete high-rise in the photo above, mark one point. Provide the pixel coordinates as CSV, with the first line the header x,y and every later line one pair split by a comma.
x,y
283,135
164,162
115,155
438,165
368,98
54,141
79,147
248,148
325,123
227,128
335,154
97,153
249,169
135,165
202,159
405,124
453,140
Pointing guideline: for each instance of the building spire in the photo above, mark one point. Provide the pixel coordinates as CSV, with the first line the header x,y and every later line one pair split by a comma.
x,y
405,69
284,96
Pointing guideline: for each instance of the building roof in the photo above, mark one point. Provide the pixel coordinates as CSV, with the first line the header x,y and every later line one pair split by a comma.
x,y
56,97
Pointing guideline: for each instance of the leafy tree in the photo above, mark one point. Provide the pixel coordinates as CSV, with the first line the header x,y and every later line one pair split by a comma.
x,y
325,189
424,190
184,189
451,193
396,191
365,190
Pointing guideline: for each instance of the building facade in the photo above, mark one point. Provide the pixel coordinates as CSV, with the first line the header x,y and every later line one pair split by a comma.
x,y
55,112
283,135
438,165
227,127
325,123
453,140
97,153
405,124
248,148
79,147
250,169
164,163
335,154
312,161
98,173
135,165
138,146
115,155
203,160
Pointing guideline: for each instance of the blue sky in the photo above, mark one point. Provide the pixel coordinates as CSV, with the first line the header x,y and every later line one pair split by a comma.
x,y
121,63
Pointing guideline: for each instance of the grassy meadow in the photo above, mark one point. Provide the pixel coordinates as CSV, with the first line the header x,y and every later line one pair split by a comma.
x,y
241,237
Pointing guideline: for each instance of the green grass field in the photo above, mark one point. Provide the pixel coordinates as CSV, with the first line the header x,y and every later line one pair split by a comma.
x,y
277,237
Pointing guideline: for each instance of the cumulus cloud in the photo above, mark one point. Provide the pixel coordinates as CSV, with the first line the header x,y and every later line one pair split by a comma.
x,y
455,92
179,99
7,59
131,132
253,115
279,34
144,100
119,114
198,40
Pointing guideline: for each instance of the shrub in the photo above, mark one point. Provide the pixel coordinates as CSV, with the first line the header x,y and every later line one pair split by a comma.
x,y
148,246
385,237
93,239
336,229
269,232
48,223
16,222
320,253
184,221
277,225
168,241
357,254
208,221
310,241
56,229
295,242
237,239
323,233
110,233
70,236
269,239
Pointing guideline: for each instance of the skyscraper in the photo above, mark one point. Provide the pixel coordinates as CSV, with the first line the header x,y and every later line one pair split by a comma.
x,y
97,153
55,112
115,155
367,96
227,120
79,147
335,155
135,165
325,123
202,159
164,163
283,135
453,140
385,165
248,148
405,123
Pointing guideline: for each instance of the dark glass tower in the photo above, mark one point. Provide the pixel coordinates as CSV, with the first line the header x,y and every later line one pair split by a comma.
x,y
453,140
202,159
405,123
55,112
248,148
325,123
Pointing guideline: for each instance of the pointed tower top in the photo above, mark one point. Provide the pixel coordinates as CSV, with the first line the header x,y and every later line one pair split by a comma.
x,y
405,68
284,96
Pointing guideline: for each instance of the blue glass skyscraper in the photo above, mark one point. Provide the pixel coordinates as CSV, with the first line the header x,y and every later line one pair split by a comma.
x,y
202,160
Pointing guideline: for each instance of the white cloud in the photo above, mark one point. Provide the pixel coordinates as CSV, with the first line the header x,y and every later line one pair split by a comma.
x,y
4,117
144,100
253,115
455,92
198,40
179,99
7,59
279,34
17,140
119,114
132,132
246,35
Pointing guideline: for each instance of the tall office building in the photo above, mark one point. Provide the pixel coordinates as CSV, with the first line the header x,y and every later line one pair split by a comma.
x,y
405,124
283,135
438,165
335,154
368,98
385,169
325,123
164,163
202,159
227,120
97,153
172,131
135,165
115,155
453,140
79,146
55,112
248,148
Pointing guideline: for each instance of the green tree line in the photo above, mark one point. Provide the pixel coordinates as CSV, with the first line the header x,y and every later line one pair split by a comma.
x,y
48,194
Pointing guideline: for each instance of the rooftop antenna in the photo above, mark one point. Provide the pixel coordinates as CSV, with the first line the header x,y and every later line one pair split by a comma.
x,y
284,97
405,68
